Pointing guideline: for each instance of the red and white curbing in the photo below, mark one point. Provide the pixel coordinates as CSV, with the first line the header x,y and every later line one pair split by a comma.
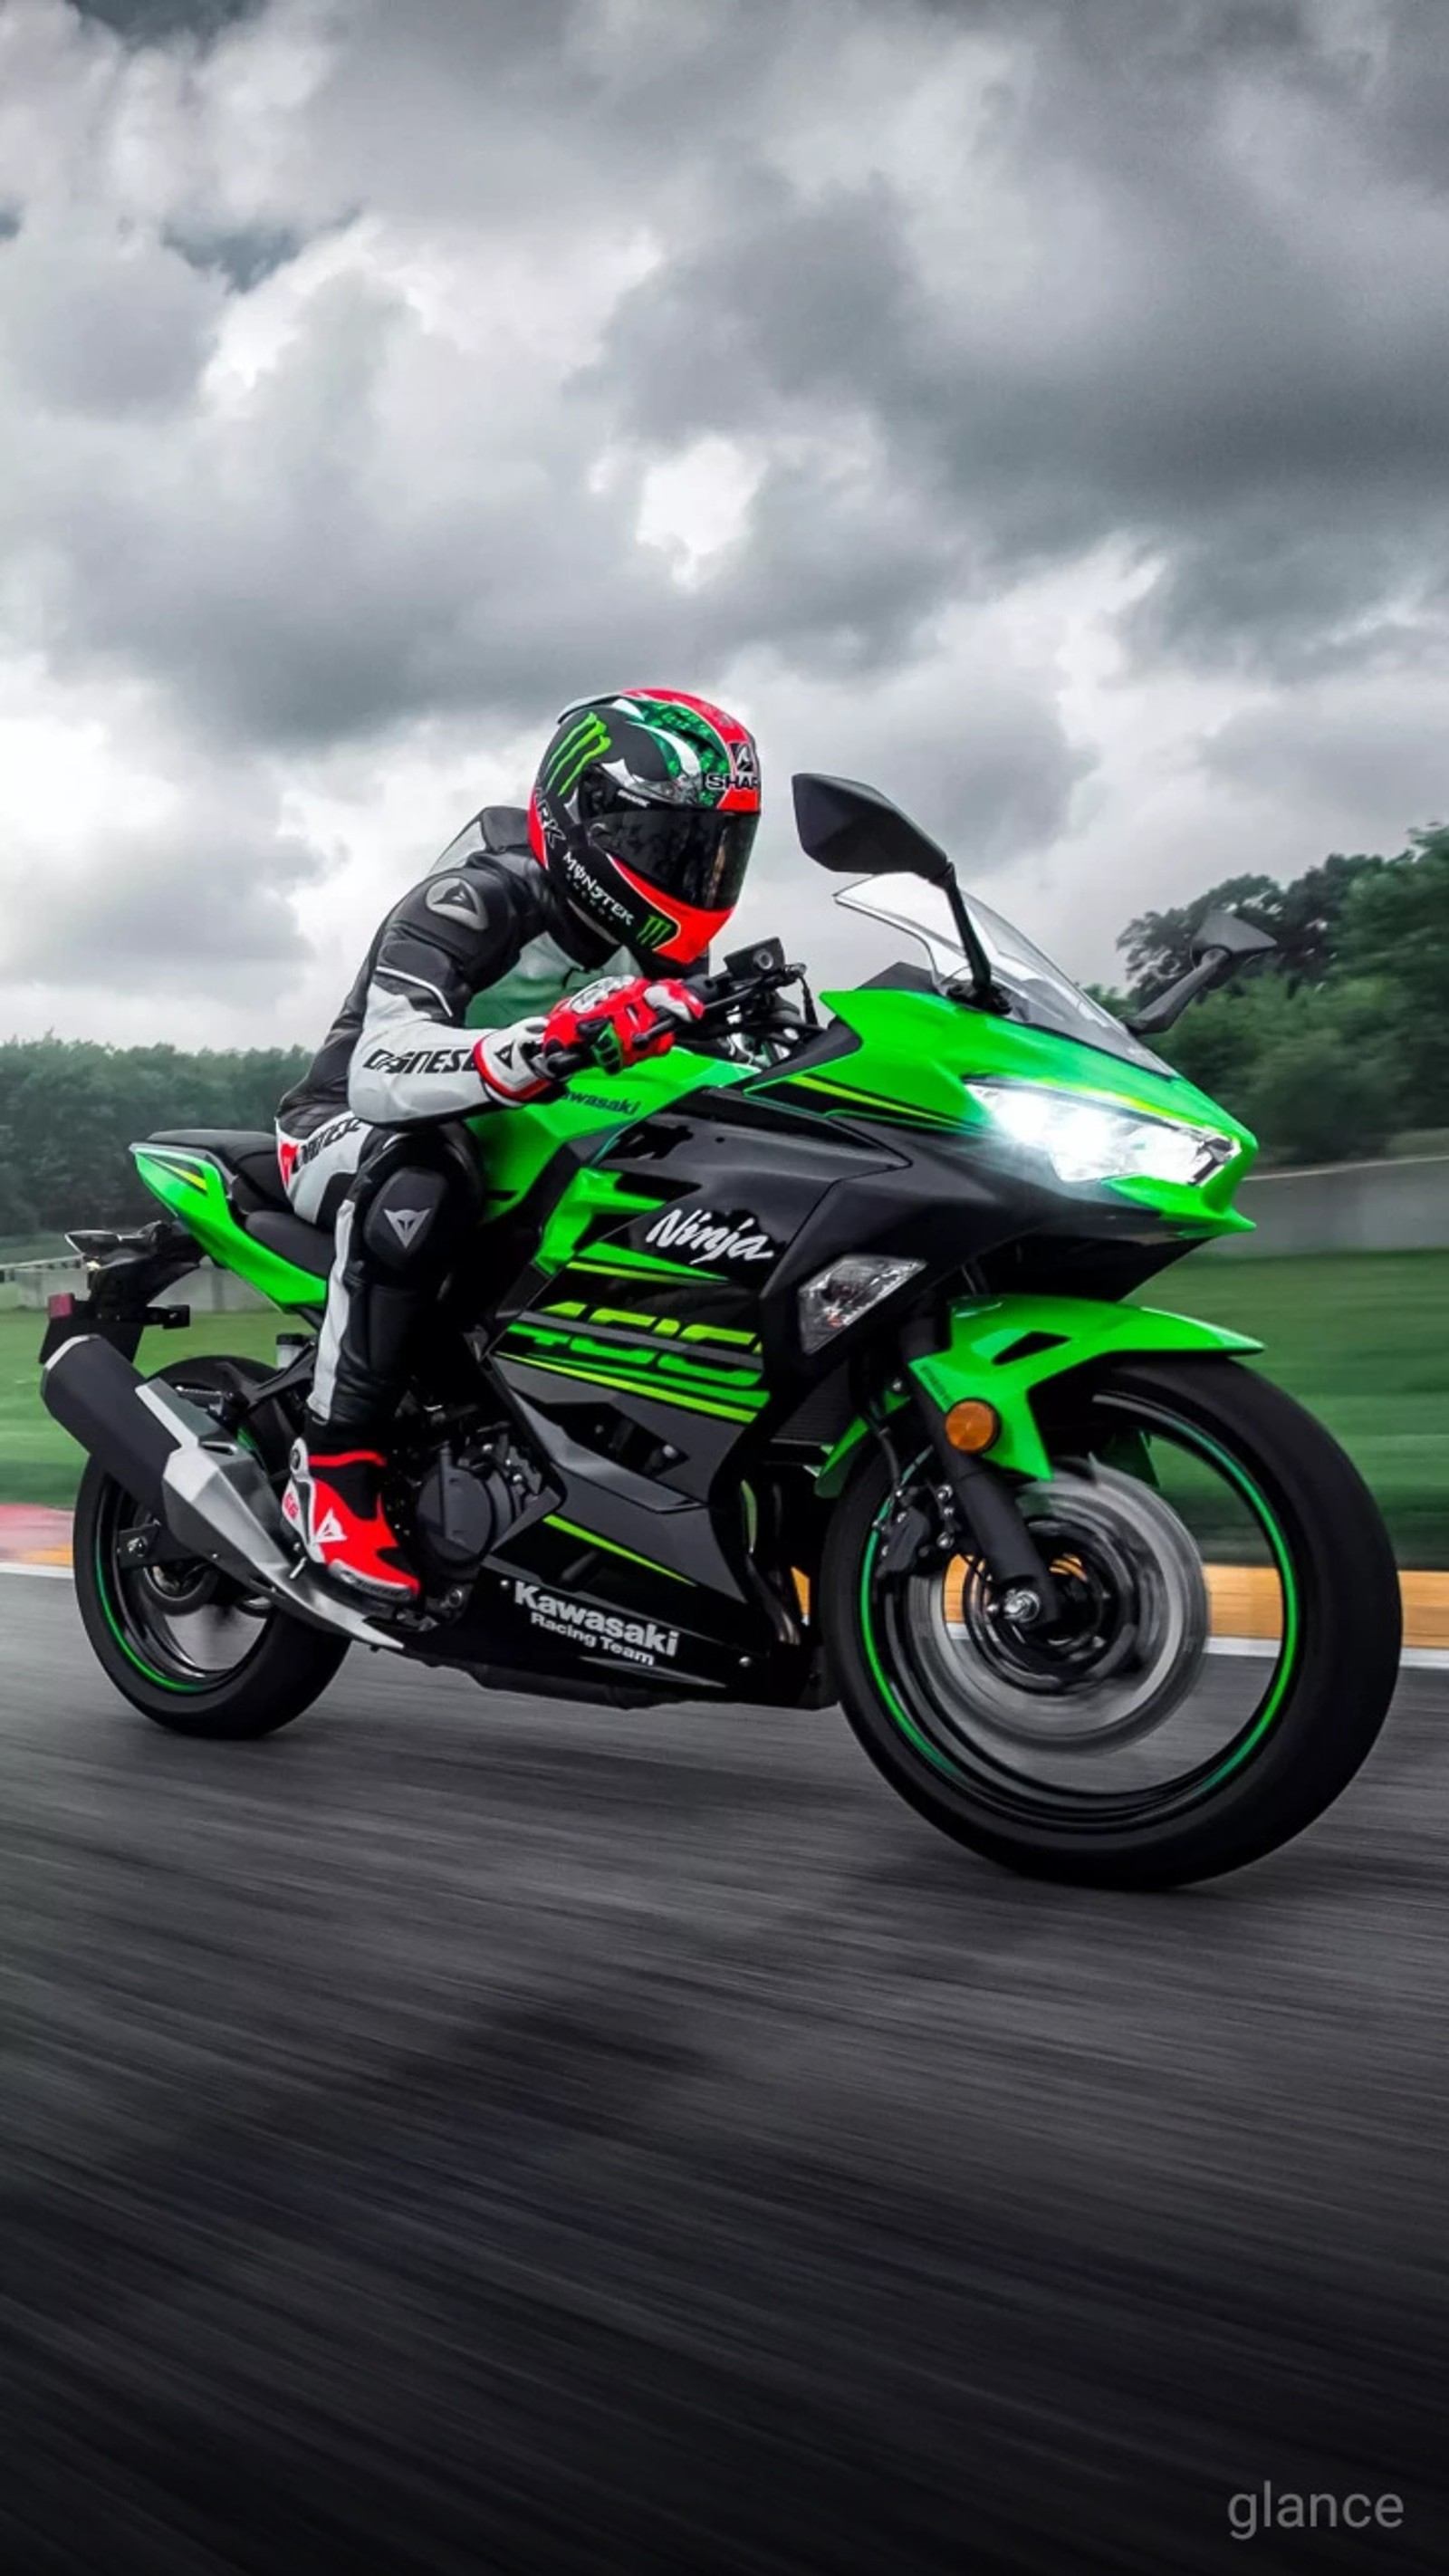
x,y
34,1540
37,1541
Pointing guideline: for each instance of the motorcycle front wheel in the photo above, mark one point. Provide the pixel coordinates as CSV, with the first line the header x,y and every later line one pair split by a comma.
x,y
1225,1656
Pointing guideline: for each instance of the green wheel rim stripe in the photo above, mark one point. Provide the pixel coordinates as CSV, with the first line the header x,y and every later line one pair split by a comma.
x,y
886,1687
1288,1651
166,1681
1284,1672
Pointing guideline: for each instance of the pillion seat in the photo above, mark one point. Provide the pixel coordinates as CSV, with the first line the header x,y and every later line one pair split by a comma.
x,y
248,1157
248,1154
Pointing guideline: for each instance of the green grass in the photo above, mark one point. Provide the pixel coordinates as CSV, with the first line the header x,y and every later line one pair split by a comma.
x,y
40,1463
32,1247
1362,1339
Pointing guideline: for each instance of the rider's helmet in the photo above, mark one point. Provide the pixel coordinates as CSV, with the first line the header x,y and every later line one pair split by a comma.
x,y
644,812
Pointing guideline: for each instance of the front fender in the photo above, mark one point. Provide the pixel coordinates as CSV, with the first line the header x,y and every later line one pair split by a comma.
x,y
1004,1348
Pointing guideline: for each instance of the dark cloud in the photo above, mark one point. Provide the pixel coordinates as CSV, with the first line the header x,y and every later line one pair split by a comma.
x,y
245,255
11,220
1227,353
101,323
215,899
155,22
1223,349
337,364
800,304
1330,757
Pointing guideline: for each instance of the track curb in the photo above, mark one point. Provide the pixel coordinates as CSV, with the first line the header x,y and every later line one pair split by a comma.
x,y
35,1539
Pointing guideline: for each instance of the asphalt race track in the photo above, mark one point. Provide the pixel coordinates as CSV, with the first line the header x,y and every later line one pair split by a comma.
x,y
477,2135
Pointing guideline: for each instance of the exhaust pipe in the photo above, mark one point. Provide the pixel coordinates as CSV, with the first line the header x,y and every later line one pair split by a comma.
x,y
207,1490
90,1390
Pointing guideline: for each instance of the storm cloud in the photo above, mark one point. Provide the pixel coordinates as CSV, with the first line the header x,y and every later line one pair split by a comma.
x,y
1041,407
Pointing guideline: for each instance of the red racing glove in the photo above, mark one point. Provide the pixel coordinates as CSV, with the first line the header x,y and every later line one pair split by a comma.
x,y
618,1021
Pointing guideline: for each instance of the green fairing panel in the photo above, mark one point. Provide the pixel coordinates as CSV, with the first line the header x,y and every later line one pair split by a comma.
x,y
194,1189
918,1050
517,1145
1082,1328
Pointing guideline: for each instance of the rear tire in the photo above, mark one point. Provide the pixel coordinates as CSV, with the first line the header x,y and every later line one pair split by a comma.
x,y
287,1669
1338,1679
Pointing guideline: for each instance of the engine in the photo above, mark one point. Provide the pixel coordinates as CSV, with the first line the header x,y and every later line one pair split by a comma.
x,y
463,1507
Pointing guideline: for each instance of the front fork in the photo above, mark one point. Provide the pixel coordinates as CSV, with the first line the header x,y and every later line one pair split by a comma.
x,y
980,1500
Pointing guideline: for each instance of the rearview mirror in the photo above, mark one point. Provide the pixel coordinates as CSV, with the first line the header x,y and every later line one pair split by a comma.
x,y
1231,935
1220,945
852,829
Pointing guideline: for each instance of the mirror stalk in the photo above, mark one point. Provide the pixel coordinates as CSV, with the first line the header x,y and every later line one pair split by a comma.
x,y
1223,943
976,957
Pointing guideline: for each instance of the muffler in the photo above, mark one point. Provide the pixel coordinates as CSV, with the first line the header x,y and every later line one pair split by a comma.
x,y
212,1494
91,1391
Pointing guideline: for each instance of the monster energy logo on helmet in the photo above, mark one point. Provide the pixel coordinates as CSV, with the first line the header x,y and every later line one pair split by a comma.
x,y
571,752
646,806
694,756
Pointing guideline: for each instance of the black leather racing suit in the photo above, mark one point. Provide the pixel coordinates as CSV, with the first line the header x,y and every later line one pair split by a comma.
x,y
364,1137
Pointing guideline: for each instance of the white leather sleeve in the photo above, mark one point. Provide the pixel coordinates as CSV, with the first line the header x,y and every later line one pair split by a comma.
x,y
407,1067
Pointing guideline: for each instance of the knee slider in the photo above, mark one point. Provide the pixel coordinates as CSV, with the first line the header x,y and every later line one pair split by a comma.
x,y
406,1226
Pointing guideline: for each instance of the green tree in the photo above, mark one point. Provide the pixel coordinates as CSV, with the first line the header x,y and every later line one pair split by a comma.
x,y
69,1109
1396,931
1305,918
1327,1085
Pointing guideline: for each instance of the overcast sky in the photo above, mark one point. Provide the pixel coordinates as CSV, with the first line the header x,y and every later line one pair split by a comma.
x,y
1039,407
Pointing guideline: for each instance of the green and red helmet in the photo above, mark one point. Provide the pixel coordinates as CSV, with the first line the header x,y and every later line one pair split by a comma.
x,y
644,813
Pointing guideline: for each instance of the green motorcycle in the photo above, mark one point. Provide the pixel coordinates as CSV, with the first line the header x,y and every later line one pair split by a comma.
x,y
794,1366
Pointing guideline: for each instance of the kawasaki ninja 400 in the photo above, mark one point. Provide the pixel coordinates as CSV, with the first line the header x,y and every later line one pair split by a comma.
x,y
791,1366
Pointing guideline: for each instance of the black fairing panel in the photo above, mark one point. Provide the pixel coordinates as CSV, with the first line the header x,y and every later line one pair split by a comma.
x,y
660,1362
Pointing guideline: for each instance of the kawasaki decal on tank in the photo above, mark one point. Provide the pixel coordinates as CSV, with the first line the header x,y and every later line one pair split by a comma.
x,y
801,1364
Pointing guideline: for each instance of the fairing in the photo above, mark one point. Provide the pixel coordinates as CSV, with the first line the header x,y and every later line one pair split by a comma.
x,y
645,1239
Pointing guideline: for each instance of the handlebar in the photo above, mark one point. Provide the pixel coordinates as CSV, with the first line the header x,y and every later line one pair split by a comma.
x,y
743,997
558,1062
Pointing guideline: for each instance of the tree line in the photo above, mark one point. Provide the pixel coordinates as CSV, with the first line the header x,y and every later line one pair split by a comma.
x,y
1326,1048
1339,1039
69,1109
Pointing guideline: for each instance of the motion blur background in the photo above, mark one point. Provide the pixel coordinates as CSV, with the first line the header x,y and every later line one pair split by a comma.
x,y
1040,408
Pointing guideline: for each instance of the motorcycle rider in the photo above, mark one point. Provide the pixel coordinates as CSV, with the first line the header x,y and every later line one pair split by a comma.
x,y
631,856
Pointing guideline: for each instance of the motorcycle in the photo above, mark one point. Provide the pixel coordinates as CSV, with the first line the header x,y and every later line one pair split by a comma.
x,y
797,1364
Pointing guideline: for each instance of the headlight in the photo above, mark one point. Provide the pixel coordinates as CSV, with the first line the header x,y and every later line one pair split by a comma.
x,y
1084,1140
840,1295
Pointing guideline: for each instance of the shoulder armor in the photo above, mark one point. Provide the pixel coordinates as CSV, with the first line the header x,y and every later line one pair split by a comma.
x,y
504,827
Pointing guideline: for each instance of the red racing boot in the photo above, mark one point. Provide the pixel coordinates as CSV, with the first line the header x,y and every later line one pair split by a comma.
x,y
334,1503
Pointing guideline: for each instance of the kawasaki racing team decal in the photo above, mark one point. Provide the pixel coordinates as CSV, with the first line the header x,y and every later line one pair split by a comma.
x,y
638,1641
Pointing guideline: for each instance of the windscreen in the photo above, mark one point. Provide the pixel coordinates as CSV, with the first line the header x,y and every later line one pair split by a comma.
x,y
1039,993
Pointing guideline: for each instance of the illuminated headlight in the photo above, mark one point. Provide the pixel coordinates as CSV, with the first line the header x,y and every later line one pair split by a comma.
x,y
839,1296
1083,1140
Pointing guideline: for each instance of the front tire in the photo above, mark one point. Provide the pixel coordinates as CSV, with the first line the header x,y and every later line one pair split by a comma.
x,y
1320,1708
139,1623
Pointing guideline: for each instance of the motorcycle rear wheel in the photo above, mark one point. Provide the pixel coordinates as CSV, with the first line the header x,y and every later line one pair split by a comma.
x,y
157,1633
927,1677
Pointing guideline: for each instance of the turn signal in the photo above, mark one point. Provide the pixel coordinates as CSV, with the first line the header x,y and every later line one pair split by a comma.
x,y
972,1425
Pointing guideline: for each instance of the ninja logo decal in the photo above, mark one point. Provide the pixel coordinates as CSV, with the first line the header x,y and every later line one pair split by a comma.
x,y
704,1238
638,1641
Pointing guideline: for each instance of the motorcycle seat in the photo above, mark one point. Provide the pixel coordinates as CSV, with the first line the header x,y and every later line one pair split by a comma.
x,y
248,1154
307,1247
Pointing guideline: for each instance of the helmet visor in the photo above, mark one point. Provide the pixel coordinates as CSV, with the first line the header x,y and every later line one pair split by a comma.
x,y
682,852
